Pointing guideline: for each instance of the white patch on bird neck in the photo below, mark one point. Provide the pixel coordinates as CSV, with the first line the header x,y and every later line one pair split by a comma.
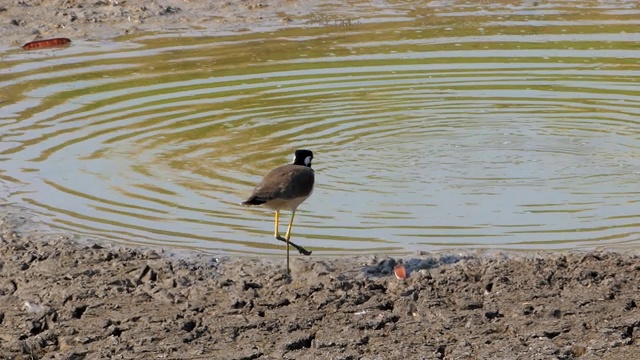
x,y
307,161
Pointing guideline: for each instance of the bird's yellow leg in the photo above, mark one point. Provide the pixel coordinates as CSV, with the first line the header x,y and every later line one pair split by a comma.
x,y
288,235
275,232
302,250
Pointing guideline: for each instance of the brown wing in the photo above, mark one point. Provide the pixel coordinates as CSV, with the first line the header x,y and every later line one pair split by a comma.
x,y
284,182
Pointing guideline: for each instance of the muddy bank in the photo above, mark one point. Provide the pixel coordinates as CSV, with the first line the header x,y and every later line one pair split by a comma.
x,y
22,21
61,299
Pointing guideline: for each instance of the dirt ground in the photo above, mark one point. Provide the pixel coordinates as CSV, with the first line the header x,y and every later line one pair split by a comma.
x,y
63,298
22,21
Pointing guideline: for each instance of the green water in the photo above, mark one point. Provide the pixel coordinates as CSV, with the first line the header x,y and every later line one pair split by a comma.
x,y
438,125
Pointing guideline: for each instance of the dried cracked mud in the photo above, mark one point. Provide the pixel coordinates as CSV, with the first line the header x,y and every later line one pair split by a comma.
x,y
64,299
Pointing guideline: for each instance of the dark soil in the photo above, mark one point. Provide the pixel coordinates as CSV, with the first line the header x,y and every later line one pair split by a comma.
x,y
60,299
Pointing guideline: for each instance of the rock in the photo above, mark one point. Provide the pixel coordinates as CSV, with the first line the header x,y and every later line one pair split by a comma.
x,y
298,341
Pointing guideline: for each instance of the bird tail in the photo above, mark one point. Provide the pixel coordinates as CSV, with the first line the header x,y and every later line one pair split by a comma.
x,y
254,201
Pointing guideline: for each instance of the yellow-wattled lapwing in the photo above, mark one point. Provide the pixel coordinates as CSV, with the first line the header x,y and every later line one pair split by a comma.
x,y
285,188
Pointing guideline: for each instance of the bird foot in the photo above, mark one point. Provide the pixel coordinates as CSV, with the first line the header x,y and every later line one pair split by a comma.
x,y
300,249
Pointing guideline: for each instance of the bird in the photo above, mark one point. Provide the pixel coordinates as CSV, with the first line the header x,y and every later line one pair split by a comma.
x,y
285,188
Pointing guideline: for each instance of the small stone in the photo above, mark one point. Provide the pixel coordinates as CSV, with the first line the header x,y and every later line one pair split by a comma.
x,y
493,315
298,342
189,325
631,304
146,275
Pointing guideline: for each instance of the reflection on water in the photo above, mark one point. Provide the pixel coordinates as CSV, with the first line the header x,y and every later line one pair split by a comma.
x,y
450,124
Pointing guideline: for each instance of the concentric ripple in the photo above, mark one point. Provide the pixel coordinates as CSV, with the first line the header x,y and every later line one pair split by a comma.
x,y
448,124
